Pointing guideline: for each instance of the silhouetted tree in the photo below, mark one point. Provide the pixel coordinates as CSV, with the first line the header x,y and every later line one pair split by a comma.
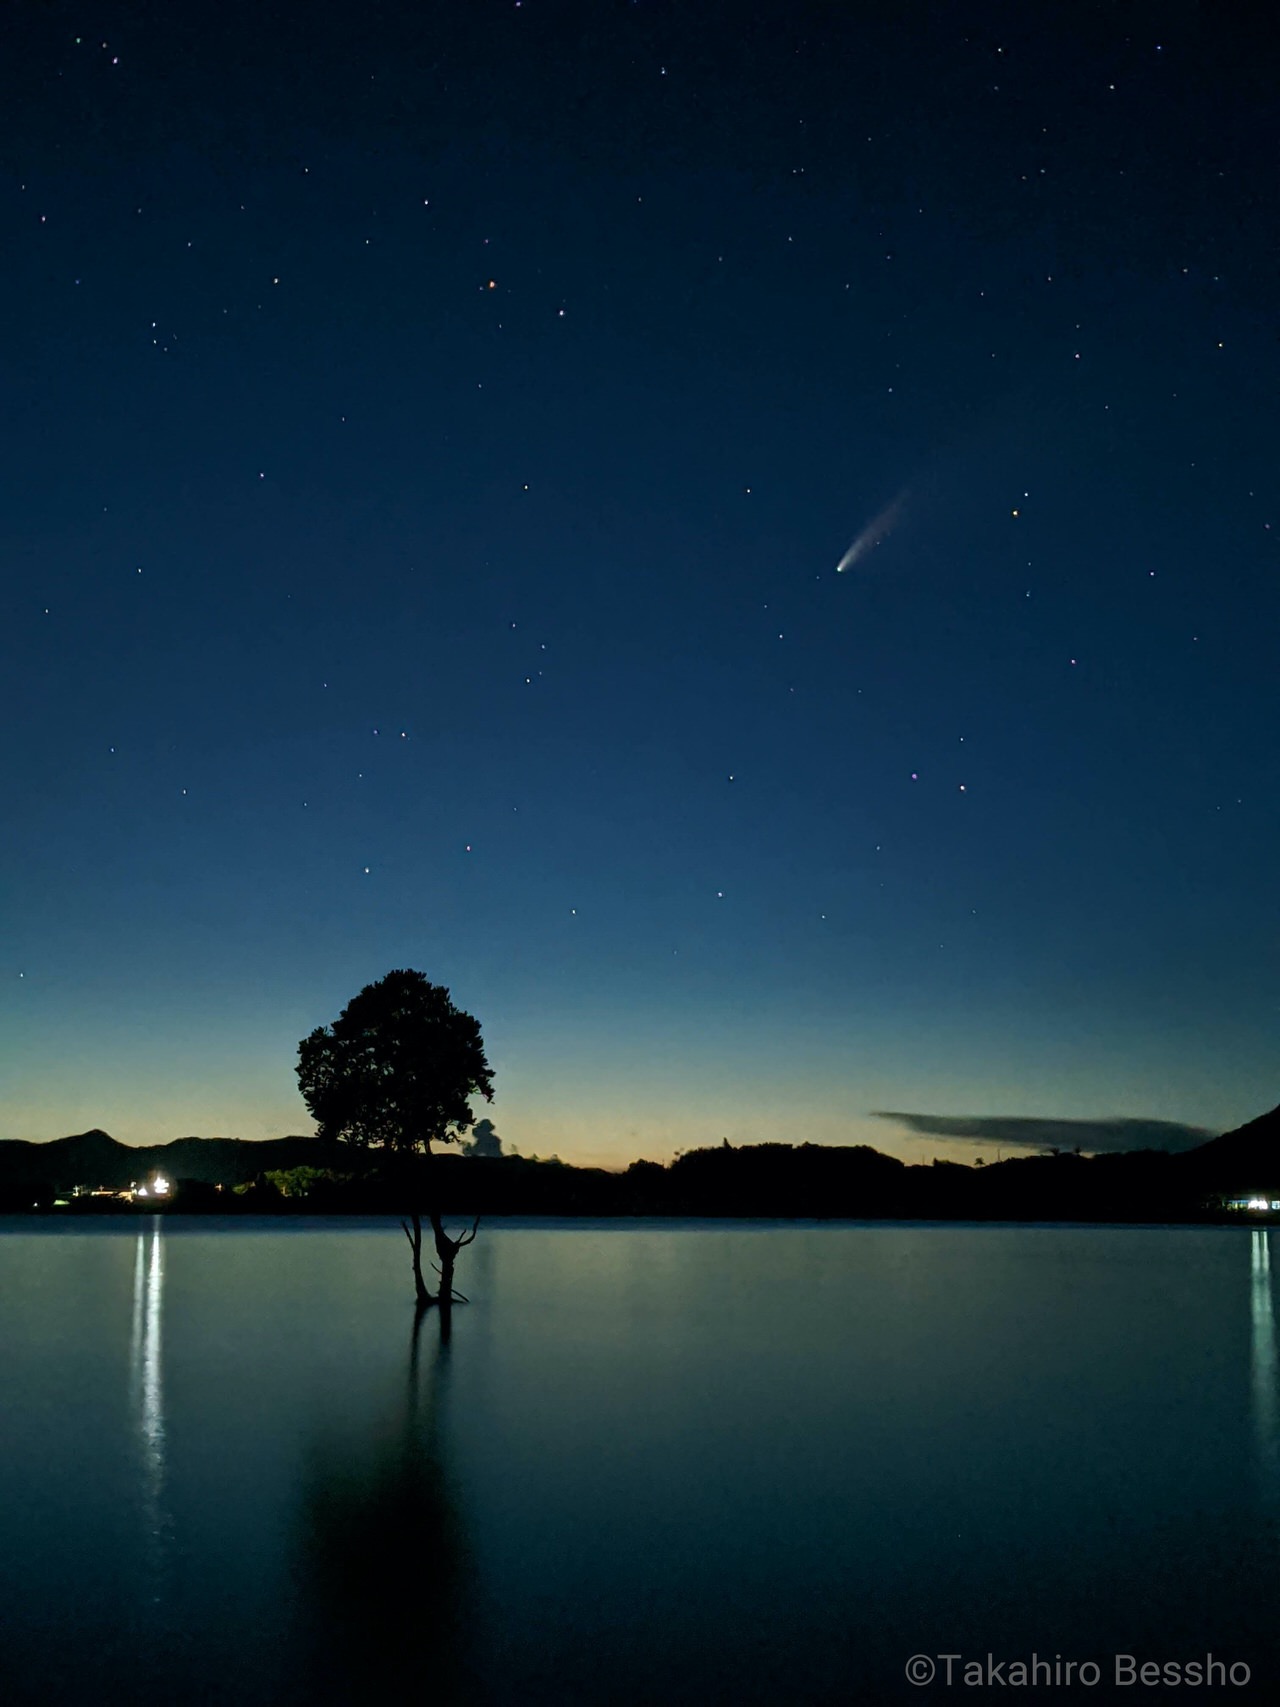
x,y
395,1072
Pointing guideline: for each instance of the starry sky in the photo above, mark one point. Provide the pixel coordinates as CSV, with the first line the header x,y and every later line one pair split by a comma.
x,y
741,540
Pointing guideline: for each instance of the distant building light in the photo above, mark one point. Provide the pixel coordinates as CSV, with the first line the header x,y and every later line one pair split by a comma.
x,y
159,1186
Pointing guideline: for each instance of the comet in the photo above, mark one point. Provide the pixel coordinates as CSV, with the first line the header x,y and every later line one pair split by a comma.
x,y
875,533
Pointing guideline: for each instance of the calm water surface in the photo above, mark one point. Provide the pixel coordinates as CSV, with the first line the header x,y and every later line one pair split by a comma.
x,y
668,1464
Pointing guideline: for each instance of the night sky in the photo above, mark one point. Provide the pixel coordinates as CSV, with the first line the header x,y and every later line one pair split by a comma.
x,y
432,436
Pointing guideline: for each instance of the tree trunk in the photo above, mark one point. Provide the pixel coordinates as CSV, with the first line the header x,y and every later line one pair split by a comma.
x,y
419,1284
446,1250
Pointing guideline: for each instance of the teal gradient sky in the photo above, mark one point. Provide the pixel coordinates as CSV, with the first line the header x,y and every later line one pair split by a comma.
x,y
434,434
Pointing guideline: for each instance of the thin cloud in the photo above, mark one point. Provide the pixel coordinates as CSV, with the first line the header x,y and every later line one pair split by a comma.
x,y
1026,1132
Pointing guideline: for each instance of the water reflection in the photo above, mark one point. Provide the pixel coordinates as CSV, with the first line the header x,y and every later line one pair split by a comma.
x,y
385,1568
1264,1359
146,1389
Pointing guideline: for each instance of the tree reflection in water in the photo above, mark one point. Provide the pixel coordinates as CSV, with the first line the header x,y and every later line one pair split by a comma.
x,y
385,1568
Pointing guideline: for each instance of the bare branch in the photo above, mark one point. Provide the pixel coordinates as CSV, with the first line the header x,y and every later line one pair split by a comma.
x,y
468,1238
408,1235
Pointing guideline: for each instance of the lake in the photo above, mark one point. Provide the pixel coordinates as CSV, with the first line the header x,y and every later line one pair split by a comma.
x,y
656,1463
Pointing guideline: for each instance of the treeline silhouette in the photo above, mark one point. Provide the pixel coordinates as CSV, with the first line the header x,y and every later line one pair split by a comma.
x,y
809,1181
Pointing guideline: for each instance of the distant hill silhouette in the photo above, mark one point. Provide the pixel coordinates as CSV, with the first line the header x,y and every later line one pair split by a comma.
x,y
1247,1159
807,1180
94,1158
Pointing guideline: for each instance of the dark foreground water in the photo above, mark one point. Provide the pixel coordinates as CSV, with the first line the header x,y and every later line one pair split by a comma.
x,y
673,1464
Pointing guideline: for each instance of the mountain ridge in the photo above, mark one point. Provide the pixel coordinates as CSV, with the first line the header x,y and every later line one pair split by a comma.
x,y
1245,1159
95,1158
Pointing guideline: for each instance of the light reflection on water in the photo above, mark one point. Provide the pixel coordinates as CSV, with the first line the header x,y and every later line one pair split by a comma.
x,y
682,1464
1262,1319
146,1392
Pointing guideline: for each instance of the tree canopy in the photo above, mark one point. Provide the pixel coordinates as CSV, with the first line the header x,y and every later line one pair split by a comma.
x,y
397,1069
